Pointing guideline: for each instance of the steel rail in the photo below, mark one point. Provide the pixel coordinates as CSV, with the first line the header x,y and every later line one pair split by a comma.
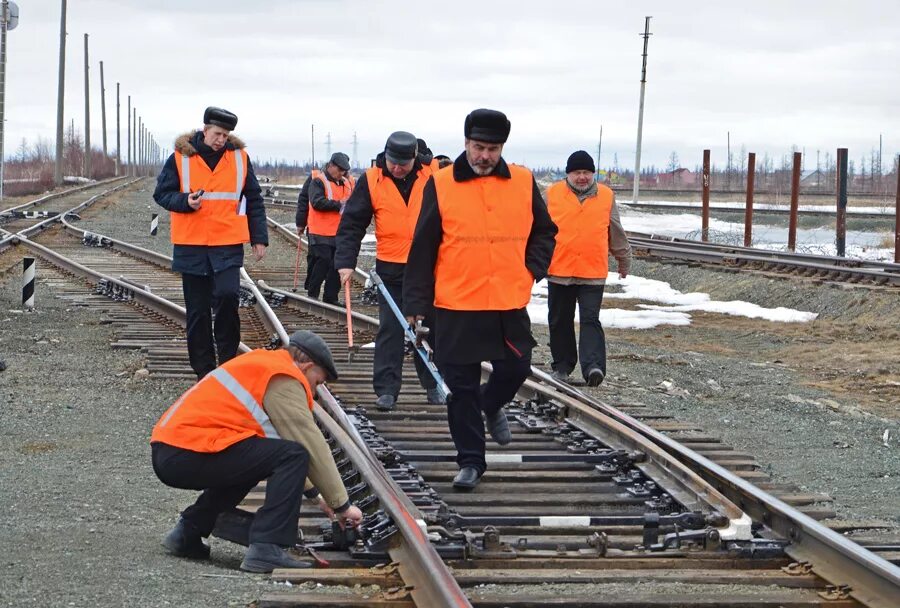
x,y
358,274
716,257
31,230
642,237
145,298
873,580
7,238
54,195
420,565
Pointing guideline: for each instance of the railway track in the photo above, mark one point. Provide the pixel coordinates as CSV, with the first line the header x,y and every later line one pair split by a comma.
x,y
20,217
589,506
819,269
845,272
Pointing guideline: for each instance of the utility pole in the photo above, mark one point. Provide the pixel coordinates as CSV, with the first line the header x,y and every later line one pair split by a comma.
x,y
313,129
87,113
328,145
118,132
355,148
103,109
599,147
637,161
140,143
60,95
4,22
728,165
134,170
130,170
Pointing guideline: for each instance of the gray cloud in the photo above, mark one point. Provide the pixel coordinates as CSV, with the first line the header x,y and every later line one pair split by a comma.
x,y
774,73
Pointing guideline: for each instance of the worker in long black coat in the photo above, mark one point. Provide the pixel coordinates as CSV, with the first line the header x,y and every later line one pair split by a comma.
x,y
483,238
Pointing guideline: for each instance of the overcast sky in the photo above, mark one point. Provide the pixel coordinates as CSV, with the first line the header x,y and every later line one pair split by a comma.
x,y
818,75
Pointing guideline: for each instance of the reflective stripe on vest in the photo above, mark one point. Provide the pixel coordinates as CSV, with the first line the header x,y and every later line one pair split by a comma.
x,y
486,222
246,399
215,196
395,219
325,223
221,218
227,406
582,243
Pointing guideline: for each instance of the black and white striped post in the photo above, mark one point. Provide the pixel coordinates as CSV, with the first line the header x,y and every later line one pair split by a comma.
x,y
28,283
154,224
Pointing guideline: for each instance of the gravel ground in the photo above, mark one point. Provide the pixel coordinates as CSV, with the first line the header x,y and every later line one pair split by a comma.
x,y
78,493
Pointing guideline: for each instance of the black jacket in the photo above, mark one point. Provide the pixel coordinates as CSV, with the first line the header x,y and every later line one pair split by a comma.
x,y
200,259
358,215
303,205
482,335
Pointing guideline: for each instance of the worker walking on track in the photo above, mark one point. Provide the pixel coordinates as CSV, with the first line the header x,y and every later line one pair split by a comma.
x,y
329,191
247,421
301,219
216,206
589,230
391,191
483,238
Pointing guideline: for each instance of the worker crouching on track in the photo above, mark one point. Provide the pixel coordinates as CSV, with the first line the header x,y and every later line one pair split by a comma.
x,y
329,191
391,191
589,230
209,230
484,236
249,420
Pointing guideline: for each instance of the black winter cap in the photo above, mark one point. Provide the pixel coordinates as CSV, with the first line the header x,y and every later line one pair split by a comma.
x,y
315,348
580,160
220,118
340,160
489,126
400,147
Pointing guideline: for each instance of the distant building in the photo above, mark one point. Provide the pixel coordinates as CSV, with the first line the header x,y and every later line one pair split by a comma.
x,y
813,178
678,178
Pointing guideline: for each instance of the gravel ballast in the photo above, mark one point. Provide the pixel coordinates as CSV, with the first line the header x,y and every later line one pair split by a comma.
x,y
84,514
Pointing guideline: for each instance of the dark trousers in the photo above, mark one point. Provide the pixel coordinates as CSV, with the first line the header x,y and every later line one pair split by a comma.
x,y
390,347
227,476
212,303
470,398
561,301
322,271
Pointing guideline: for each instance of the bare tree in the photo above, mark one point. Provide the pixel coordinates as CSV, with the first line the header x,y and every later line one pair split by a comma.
x,y
673,162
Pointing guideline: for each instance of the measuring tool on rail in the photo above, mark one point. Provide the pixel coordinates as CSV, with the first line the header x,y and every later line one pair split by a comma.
x,y
416,338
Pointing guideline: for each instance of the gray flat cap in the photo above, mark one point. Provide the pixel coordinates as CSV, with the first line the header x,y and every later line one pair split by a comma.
x,y
316,349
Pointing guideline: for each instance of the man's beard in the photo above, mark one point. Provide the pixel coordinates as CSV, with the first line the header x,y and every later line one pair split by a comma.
x,y
484,168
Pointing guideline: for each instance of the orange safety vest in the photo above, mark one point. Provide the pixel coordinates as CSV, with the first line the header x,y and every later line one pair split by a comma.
x,y
222,216
226,406
582,243
395,219
325,223
486,222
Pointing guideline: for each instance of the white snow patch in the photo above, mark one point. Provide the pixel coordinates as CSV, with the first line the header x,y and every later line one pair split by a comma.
x,y
673,308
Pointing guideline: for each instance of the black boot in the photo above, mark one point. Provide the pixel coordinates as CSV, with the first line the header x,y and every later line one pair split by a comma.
x,y
265,557
185,541
467,478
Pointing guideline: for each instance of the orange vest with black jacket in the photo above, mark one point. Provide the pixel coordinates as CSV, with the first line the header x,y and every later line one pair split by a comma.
x,y
395,219
582,243
325,223
222,216
486,222
226,406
